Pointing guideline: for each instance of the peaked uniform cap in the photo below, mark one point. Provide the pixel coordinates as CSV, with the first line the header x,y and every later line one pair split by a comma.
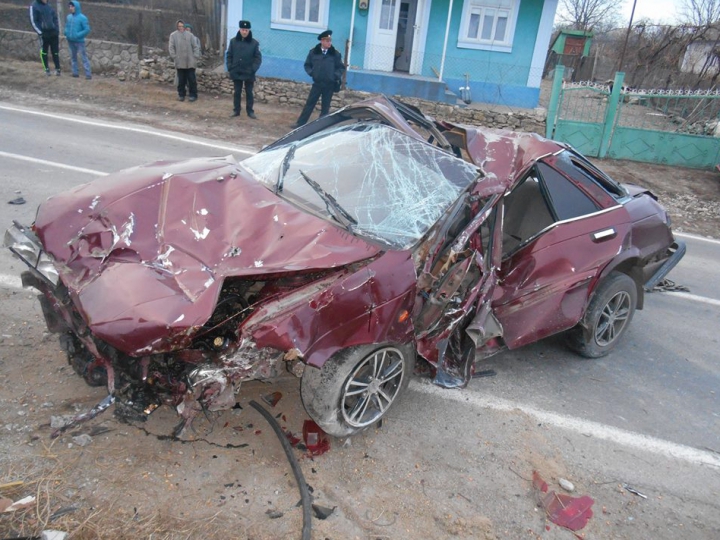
x,y
326,33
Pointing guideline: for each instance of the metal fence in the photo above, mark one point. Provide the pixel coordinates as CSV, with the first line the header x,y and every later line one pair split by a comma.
x,y
142,22
657,126
673,111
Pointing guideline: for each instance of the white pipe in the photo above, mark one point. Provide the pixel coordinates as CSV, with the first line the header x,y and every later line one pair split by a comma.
x,y
352,32
447,31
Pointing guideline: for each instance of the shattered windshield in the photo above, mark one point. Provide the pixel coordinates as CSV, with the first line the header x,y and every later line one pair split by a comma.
x,y
370,178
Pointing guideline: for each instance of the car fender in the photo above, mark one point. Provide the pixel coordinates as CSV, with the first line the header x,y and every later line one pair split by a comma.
x,y
372,305
627,262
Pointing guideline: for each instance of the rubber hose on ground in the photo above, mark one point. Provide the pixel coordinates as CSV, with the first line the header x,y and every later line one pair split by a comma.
x,y
302,485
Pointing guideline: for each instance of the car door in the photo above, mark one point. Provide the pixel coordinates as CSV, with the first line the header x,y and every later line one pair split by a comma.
x,y
454,286
557,238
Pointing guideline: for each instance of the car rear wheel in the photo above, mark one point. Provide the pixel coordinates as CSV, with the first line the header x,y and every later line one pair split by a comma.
x,y
356,387
607,317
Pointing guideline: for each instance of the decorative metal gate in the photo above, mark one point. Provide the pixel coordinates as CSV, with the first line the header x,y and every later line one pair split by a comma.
x,y
653,126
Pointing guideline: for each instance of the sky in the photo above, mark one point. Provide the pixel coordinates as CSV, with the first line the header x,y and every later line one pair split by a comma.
x,y
666,11
658,11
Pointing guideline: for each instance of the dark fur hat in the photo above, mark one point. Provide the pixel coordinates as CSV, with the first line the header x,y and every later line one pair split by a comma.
x,y
244,24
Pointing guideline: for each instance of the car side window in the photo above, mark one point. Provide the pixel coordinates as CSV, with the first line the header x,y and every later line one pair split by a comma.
x,y
567,200
526,213
596,183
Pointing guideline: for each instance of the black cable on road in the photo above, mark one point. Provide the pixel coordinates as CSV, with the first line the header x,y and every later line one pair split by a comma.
x,y
302,485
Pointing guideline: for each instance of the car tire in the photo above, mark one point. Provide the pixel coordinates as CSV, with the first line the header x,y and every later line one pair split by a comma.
x,y
607,317
82,362
328,394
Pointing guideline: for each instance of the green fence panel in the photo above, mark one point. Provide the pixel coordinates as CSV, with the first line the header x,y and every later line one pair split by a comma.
x,y
583,136
693,151
679,128
581,116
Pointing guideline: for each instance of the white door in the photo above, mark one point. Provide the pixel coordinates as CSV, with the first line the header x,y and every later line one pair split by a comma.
x,y
382,34
406,34
234,16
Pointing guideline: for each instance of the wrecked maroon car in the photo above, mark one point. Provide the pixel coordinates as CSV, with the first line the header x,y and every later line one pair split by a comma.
x,y
340,253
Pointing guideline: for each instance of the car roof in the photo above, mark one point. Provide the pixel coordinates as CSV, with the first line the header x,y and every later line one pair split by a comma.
x,y
502,155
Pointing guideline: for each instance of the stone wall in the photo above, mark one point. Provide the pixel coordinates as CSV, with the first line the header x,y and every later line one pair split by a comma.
x,y
121,60
105,56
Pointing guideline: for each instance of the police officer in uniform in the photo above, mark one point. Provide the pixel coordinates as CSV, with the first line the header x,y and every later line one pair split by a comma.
x,y
324,64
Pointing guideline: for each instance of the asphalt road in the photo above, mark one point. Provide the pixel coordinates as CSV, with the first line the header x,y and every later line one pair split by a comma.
x,y
655,398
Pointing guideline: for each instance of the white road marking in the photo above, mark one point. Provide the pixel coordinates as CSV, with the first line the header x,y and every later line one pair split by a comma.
x,y
52,164
696,237
638,441
183,138
695,298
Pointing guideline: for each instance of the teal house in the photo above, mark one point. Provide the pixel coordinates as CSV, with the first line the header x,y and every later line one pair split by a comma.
x,y
490,51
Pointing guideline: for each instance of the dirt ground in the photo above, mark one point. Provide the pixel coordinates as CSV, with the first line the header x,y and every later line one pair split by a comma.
x,y
230,474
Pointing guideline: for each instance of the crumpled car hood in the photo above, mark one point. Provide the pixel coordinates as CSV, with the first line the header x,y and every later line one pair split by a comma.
x,y
144,251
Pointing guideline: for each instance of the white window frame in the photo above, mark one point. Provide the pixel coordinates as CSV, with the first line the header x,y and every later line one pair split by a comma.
x,y
278,23
480,7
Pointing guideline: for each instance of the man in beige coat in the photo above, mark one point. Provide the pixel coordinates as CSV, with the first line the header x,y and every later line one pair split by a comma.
x,y
184,50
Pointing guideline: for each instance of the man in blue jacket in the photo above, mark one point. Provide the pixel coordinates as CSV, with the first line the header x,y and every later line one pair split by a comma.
x,y
45,22
77,27
324,64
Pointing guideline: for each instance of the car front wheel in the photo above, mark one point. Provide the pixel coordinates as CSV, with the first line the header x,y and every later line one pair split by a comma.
x,y
607,317
355,388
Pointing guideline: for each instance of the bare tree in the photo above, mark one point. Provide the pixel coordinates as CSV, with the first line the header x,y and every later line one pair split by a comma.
x,y
701,13
597,15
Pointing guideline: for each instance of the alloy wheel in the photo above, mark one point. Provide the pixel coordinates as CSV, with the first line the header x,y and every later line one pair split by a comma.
x,y
372,387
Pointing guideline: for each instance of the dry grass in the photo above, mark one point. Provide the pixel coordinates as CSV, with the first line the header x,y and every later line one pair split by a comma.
x,y
48,473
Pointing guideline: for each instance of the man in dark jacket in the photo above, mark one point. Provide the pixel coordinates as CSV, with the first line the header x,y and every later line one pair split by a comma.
x,y
77,27
45,22
324,64
243,61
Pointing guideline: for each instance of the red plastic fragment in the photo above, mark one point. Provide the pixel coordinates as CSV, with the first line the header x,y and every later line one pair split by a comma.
x,y
570,512
539,483
272,399
316,440
294,440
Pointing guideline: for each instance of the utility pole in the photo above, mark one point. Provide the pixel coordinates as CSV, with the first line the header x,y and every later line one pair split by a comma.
x,y
627,36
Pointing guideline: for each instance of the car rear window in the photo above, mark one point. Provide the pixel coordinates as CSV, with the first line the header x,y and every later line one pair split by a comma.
x,y
581,170
566,199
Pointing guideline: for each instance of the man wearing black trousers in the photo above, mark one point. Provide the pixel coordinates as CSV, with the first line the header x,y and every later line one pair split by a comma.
x,y
324,64
45,22
243,61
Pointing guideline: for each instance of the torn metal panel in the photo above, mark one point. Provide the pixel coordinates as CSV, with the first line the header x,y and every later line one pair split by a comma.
x,y
502,155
